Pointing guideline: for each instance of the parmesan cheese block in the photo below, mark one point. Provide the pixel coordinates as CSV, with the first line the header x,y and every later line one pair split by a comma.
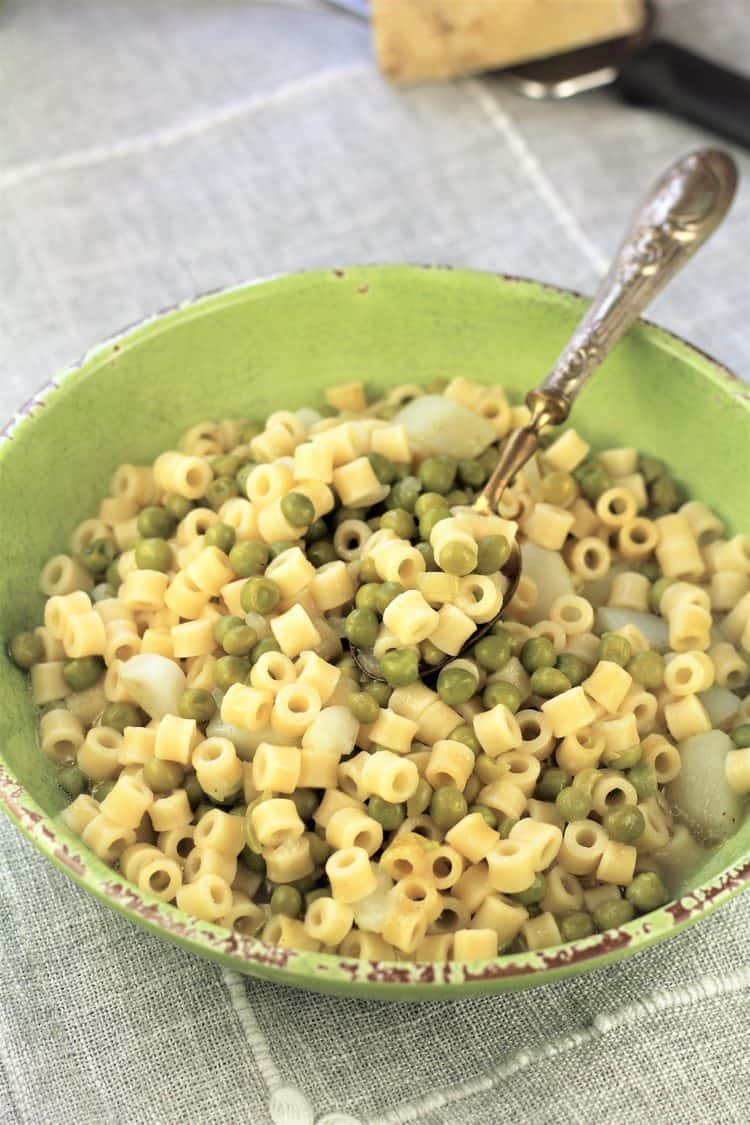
x,y
418,39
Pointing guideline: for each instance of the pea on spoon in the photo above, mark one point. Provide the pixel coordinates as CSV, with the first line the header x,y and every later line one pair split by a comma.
x,y
680,213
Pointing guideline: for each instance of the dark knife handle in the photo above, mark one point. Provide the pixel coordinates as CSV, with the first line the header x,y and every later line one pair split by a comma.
x,y
673,78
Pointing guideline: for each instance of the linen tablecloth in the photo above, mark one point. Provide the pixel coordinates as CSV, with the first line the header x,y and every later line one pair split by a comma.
x,y
153,150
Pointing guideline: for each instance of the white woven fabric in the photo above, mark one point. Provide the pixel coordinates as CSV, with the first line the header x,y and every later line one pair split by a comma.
x,y
152,150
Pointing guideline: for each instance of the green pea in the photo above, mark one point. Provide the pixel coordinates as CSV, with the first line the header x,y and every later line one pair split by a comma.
x,y
117,716
83,672
399,521
248,431
430,654
253,861
664,495
305,801
501,692
238,810
153,554
626,824
573,804
177,506
506,826
488,815
241,476
280,545
647,669
196,704
538,652
98,555
26,649
364,708
113,574
657,592
741,736
317,530
457,558
559,489
220,490
387,813
306,884
437,474
230,670
576,925
610,915
650,467
239,641
646,892
447,807
594,482
400,667
156,523
220,535
298,509
489,459
551,782
465,733
225,465
260,595
428,502
379,691
420,798
457,498
489,769
361,628
428,555
268,644
456,685
162,776
368,571
321,552
492,554
320,850
347,665
572,667
192,787
286,900
249,559
222,626
404,494
73,780
548,682
533,894
367,596
382,468
471,473
430,519
643,779
102,790
622,759
615,649
493,652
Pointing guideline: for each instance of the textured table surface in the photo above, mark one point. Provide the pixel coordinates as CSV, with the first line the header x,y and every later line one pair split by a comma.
x,y
153,150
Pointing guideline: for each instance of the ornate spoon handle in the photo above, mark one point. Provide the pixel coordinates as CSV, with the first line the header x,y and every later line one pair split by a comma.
x,y
683,209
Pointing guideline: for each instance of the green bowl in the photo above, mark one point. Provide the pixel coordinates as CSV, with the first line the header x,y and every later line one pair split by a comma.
x,y
278,344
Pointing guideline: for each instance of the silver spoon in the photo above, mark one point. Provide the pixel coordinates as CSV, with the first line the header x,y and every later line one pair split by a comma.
x,y
683,209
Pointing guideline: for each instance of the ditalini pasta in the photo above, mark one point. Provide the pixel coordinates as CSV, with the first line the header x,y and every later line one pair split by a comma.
x,y
221,746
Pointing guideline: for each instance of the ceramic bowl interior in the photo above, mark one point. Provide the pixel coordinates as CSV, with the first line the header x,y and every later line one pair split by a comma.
x,y
277,345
